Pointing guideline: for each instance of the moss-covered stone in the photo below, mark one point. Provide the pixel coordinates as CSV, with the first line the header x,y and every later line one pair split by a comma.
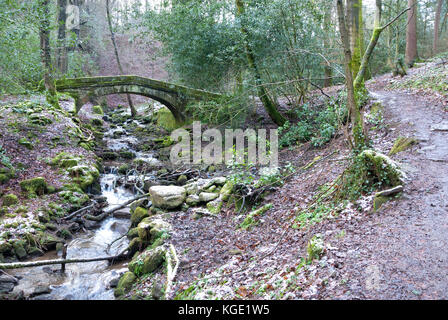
x,y
250,221
4,179
215,206
19,249
382,167
378,201
9,200
132,233
402,144
227,190
148,261
35,186
138,215
84,176
110,155
127,154
125,284
98,110
123,169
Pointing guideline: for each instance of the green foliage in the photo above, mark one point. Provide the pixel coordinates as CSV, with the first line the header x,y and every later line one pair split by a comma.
x,y
315,125
4,159
368,172
230,111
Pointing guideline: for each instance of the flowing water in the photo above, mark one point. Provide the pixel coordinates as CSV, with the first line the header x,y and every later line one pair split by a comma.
x,y
84,281
89,281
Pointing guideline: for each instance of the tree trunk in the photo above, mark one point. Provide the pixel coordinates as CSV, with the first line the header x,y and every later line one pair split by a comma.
x,y
359,139
268,104
356,34
437,26
117,57
45,52
328,72
61,53
411,34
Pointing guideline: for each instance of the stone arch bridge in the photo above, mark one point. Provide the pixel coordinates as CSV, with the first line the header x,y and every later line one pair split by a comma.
x,y
174,97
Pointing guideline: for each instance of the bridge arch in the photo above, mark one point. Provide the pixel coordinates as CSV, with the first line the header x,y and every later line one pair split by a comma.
x,y
174,97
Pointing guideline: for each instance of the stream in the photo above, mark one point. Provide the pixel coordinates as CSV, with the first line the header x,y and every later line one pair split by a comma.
x,y
88,281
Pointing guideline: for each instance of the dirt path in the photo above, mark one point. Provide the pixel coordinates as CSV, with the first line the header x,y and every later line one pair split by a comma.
x,y
402,252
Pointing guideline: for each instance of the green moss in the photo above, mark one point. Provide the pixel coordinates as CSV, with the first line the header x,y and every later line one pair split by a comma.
x,y
125,284
98,110
148,261
166,120
123,169
378,201
84,176
10,200
3,178
127,154
138,215
35,186
250,221
370,171
27,144
402,144
97,122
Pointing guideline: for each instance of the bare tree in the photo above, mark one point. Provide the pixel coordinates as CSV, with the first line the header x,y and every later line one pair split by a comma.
x,y
268,104
411,34
61,51
45,51
112,36
437,26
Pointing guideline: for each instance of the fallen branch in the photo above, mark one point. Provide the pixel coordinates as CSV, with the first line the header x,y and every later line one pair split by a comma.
x,y
19,265
110,211
171,272
79,211
389,192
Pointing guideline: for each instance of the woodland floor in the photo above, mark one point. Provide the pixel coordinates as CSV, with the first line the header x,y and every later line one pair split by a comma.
x,y
397,252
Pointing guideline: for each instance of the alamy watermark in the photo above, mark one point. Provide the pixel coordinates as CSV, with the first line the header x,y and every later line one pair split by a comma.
x,y
230,149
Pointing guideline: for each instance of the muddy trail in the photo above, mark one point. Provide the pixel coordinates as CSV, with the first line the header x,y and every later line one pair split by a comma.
x,y
400,252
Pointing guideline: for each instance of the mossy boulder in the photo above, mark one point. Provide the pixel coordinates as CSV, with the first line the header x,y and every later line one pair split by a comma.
x,y
48,241
123,169
135,245
148,261
227,190
4,179
6,249
150,229
402,144
84,176
65,160
9,200
127,155
138,215
132,233
382,167
125,284
167,197
98,110
215,206
35,186
19,249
